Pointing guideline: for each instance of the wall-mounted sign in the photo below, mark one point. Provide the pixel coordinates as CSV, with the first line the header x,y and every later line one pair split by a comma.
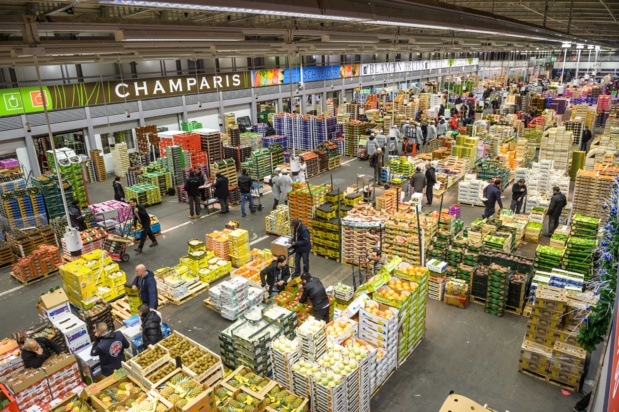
x,y
29,99
370,69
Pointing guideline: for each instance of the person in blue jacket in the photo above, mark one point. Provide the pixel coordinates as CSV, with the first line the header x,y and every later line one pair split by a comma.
x,y
302,246
110,347
492,193
145,281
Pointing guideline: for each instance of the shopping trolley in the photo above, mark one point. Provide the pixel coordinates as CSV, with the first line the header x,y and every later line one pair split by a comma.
x,y
116,247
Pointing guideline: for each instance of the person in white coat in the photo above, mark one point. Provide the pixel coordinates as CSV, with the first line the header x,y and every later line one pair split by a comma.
x,y
419,136
432,134
441,129
285,186
302,170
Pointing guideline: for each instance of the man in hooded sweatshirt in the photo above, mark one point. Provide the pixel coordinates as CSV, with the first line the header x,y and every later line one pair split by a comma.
x,y
441,129
109,346
151,325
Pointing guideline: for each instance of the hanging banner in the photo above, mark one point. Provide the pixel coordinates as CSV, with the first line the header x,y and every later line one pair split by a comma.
x,y
349,70
66,96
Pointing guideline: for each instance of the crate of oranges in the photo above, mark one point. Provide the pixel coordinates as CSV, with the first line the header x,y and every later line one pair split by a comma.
x,y
410,272
391,297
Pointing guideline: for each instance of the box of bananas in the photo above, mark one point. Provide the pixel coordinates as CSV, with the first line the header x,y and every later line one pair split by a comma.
x,y
184,393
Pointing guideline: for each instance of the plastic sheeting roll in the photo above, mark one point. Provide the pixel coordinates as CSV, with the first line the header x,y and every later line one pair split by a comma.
x,y
578,163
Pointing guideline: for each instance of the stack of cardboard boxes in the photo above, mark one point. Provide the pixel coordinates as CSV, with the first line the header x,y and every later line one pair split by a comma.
x,y
456,293
550,350
91,277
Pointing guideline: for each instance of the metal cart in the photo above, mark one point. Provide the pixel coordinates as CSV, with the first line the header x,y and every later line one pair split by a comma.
x,y
116,247
256,193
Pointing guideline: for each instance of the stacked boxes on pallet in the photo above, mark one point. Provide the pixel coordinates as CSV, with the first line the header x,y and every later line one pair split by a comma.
x,y
91,277
23,208
53,197
498,286
239,247
550,350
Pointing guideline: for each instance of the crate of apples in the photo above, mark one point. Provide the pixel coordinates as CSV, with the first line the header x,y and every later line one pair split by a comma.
x,y
401,285
374,310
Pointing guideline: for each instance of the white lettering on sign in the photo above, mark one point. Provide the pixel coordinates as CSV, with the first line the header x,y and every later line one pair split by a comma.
x,y
139,88
176,85
204,84
118,91
217,81
190,83
236,80
158,88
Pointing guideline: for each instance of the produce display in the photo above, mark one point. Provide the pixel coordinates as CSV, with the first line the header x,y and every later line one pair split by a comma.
x,y
180,389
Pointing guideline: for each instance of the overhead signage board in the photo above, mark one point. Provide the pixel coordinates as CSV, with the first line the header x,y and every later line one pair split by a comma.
x,y
66,96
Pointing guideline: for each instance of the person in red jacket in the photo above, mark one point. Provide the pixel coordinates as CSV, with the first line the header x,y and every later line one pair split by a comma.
x,y
454,122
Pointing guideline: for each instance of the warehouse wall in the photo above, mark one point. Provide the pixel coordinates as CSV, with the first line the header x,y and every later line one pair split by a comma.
x,y
170,111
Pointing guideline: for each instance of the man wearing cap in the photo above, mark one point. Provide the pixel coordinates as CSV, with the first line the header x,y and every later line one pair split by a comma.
x,y
441,129
276,187
431,131
405,132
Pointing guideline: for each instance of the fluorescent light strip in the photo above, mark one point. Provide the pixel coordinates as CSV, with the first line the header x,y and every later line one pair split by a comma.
x,y
140,3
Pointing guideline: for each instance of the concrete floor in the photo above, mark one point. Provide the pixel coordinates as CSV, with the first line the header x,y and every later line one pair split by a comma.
x,y
468,351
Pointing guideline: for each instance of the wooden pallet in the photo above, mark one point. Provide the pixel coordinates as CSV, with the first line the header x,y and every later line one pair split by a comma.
x,y
6,264
478,300
410,352
34,280
208,304
515,311
549,380
527,311
194,290
470,204
378,388
121,310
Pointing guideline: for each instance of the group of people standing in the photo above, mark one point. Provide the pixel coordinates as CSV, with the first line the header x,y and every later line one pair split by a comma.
x,y
494,191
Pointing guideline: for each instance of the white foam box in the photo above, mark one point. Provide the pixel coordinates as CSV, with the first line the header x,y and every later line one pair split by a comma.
x,y
355,306
377,320
71,327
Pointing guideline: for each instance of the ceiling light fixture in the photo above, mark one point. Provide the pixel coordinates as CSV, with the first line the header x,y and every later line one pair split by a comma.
x,y
196,7
349,39
566,45
580,46
142,35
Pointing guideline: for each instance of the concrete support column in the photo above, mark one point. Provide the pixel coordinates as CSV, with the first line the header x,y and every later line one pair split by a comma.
x,y
92,142
32,153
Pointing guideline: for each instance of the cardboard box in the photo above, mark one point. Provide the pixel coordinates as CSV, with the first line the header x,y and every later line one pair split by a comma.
x,y
457,301
549,300
71,327
54,305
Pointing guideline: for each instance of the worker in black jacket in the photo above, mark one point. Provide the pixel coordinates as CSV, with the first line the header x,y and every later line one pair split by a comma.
x,y
110,347
141,215
430,182
151,325
119,192
245,185
270,130
222,192
586,138
36,351
519,191
492,193
557,202
78,220
302,246
315,291
192,187
275,275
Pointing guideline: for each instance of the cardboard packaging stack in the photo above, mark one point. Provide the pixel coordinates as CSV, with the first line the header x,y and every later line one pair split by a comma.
x,y
234,294
550,349
381,332
29,387
456,293
62,373
74,332
10,358
91,277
